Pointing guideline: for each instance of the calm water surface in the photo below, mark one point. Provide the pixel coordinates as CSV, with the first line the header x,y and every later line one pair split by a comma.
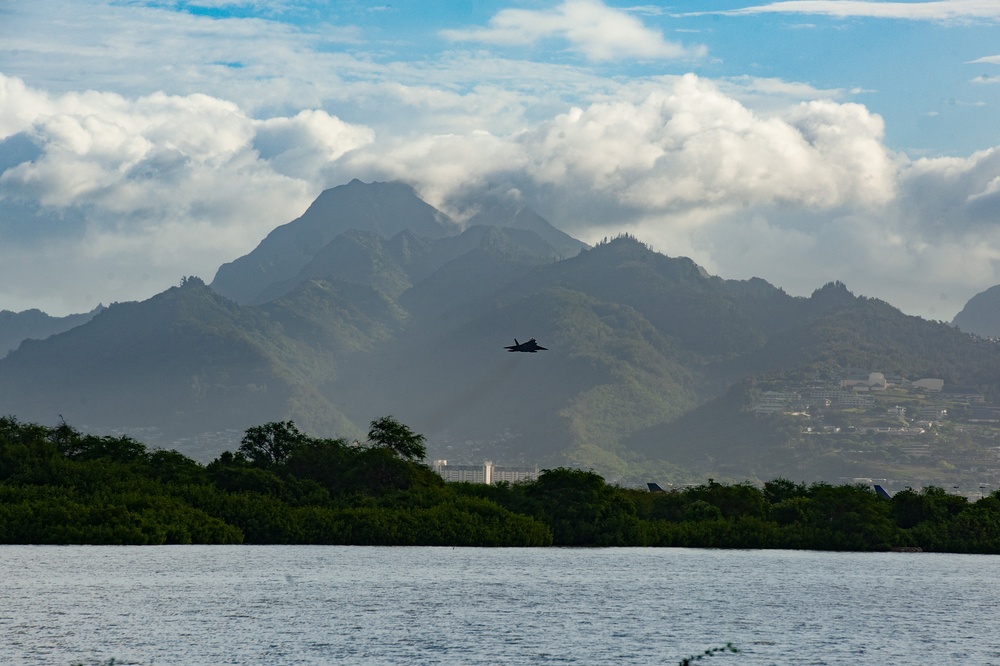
x,y
353,605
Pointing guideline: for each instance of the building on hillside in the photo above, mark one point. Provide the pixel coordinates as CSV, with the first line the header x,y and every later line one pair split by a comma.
x,y
487,473
854,379
969,395
928,384
848,399
773,402
466,473
828,396
872,381
514,474
984,415
932,414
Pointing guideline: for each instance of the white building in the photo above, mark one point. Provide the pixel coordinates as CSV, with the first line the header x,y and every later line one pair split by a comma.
x,y
855,400
487,473
875,381
773,402
929,384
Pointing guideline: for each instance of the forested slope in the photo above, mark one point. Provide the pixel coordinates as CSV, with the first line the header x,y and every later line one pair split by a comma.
x,y
58,486
374,302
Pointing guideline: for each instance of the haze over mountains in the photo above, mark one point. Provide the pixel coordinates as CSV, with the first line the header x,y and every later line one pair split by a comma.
x,y
374,303
35,324
981,315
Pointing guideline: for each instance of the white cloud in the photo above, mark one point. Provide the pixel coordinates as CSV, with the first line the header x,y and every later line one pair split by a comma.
x,y
748,176
927,250
590,27
682,145
300,147
270,69
147,189
935,10
800,196
134,193
770,96
136,49
19,106
649,10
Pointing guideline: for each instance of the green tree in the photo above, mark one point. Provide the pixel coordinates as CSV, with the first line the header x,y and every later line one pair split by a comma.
x,y
782,489
270,444
700,510
325,461
852,517
388,433
741,499
171,467
91,447
582,510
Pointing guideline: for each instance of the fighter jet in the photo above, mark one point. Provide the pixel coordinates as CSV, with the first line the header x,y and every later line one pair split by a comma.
x,y
530,346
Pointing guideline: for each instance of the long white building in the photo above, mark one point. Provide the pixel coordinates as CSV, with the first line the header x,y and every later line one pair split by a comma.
x,y
487,473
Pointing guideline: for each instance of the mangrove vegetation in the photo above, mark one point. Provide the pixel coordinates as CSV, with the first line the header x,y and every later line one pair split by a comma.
x,y
282,486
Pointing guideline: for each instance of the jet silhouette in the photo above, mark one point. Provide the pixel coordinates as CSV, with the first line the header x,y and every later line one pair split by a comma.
x,y
530,346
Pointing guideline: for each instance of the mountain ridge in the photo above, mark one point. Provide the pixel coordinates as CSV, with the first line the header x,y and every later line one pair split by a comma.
x,y
16,327
384,208
981,314
642,349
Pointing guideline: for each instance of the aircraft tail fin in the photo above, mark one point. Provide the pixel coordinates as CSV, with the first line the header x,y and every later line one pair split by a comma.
x,y
655,488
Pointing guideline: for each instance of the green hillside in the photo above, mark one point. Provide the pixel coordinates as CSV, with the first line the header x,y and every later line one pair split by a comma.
x,y
16,327
186,360
654,368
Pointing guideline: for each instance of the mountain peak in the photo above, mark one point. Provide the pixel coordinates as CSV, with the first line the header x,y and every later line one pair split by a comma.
x,y
385,209
495,212
625,240
832,294
979,316
626,247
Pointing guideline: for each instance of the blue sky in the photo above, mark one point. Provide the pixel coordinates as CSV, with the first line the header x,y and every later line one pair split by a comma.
x,y
800,141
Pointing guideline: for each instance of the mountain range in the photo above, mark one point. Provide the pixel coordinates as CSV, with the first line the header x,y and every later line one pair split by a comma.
x,y
375,303
35,324
981,315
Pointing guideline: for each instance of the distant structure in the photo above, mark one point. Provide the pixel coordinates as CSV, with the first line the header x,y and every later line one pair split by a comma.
x,y
487,473
872,381
934,385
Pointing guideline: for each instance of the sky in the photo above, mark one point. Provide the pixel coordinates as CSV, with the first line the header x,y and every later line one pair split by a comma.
x,y
799,141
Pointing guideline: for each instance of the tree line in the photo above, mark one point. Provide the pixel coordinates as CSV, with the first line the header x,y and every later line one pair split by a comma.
x,y
282,486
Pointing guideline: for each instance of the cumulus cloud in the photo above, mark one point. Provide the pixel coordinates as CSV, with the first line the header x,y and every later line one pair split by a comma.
x,y
683,145
149,189
590,27
302,146
800,195
108,197
927,249
954,196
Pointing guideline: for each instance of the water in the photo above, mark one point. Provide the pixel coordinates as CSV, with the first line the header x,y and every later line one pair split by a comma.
x,y
327,605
